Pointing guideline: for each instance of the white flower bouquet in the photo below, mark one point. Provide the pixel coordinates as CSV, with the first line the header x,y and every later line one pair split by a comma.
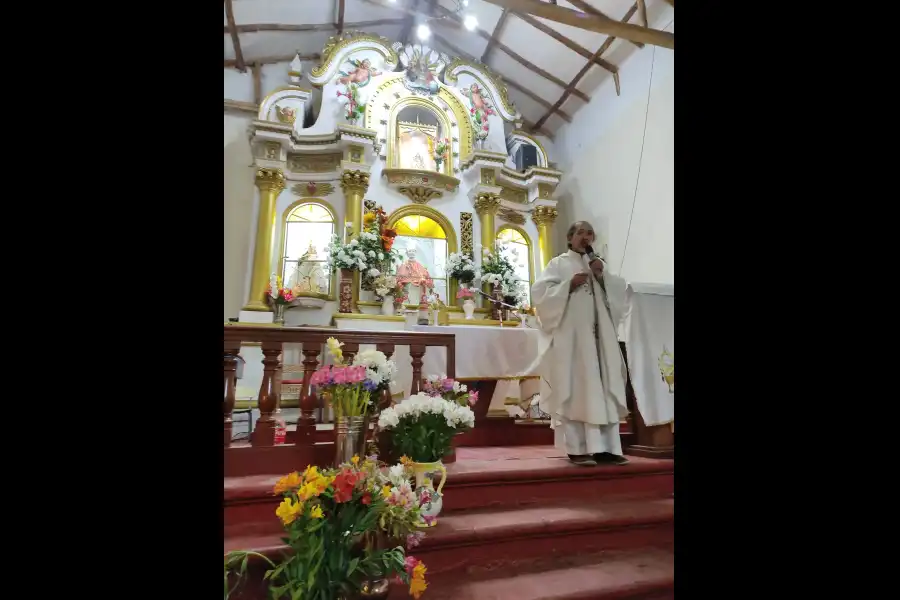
x,y
379,370
422,427
461,267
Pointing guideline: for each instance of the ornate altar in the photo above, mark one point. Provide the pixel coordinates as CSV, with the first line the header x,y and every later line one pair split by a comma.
x,y
429,138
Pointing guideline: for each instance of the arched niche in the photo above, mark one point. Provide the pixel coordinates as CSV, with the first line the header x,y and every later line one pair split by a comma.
x,y
308,224
518,137
413,120
391,89
516,237
425,227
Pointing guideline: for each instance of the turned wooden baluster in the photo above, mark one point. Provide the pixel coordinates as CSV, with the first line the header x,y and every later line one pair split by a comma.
x,y
388,350
306,424
230,369
264,433
350,351
416,352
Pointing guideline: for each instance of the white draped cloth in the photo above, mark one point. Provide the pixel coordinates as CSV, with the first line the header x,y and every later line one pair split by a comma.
x,y
650,336
582,392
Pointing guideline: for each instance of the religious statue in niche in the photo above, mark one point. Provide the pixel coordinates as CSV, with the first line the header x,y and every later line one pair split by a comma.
x,y
423,65
415,274
308,276
354,78
479,112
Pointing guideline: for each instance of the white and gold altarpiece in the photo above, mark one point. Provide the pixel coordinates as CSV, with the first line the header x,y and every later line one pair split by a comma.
x,y
386,110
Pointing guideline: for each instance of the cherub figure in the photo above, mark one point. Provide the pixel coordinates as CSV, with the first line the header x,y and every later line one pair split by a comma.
x,y
361,74
480,111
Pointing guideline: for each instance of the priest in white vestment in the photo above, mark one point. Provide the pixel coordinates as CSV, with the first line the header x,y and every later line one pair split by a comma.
x,y
579,305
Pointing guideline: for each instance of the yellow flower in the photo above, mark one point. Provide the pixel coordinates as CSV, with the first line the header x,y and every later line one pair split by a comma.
x,y
368,218
405,460
322,483
288,511
334,348
311,473
308,491
417,585
288,483
355,459
316,512
386,491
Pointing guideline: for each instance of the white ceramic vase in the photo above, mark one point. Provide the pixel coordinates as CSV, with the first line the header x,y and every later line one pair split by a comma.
x,y
387,305
469,308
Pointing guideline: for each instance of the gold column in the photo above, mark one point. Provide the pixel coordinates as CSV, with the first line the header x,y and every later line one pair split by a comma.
x,y
354,183
270,183
486,205
544,217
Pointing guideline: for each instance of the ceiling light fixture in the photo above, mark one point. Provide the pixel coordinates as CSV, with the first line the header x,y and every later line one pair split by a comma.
x,y
423,32
470,22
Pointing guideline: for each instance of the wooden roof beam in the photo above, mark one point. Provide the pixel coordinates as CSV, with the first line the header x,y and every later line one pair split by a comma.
x,y
253,28
568,43
340,17
514,55
232,29
268,60
498,29
590,9
603,48
597,23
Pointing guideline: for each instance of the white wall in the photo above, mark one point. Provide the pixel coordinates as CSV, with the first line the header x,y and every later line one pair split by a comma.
x,y
611,180
240,212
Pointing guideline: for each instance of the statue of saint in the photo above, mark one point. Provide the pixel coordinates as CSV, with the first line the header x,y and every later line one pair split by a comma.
x,y
308,276
415,274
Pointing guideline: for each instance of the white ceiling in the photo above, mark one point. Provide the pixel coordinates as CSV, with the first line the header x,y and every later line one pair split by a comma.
x,y
520,37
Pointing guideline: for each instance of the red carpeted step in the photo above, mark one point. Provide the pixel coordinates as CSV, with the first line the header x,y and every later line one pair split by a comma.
x,y
483,478
645,575
468,543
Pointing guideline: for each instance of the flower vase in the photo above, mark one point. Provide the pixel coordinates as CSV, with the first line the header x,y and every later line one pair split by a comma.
x,y
279,314
495,307
431,499
469,308
347,434
387,305
346,293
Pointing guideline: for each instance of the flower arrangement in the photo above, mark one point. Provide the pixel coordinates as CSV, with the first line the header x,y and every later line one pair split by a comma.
x,y
498,270
440,386
278,294
379,370
465,294
385,285
461,267
439,150
340,524
422,426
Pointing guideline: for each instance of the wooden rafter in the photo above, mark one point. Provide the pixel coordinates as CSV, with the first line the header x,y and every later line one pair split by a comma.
x,y
268,60
514,55
642,12
232,29
498,29
568,43
408,23
256,68
340,18
590,22
509,82
590,9
253,28
603,48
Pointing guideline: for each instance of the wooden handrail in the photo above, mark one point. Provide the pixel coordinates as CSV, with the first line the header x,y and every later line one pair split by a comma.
x,y
312,339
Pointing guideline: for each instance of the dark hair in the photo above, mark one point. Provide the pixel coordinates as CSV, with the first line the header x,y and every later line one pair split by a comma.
x,y
572,229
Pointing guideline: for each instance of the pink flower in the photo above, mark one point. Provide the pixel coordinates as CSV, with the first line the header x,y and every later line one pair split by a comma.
x,y
447,384
411,563
473,398
428,520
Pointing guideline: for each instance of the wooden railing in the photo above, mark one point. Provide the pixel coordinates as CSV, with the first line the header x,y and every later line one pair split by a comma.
x,y
272,340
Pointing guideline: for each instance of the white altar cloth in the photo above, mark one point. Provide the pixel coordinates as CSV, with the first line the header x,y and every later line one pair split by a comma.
x,y
650,342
